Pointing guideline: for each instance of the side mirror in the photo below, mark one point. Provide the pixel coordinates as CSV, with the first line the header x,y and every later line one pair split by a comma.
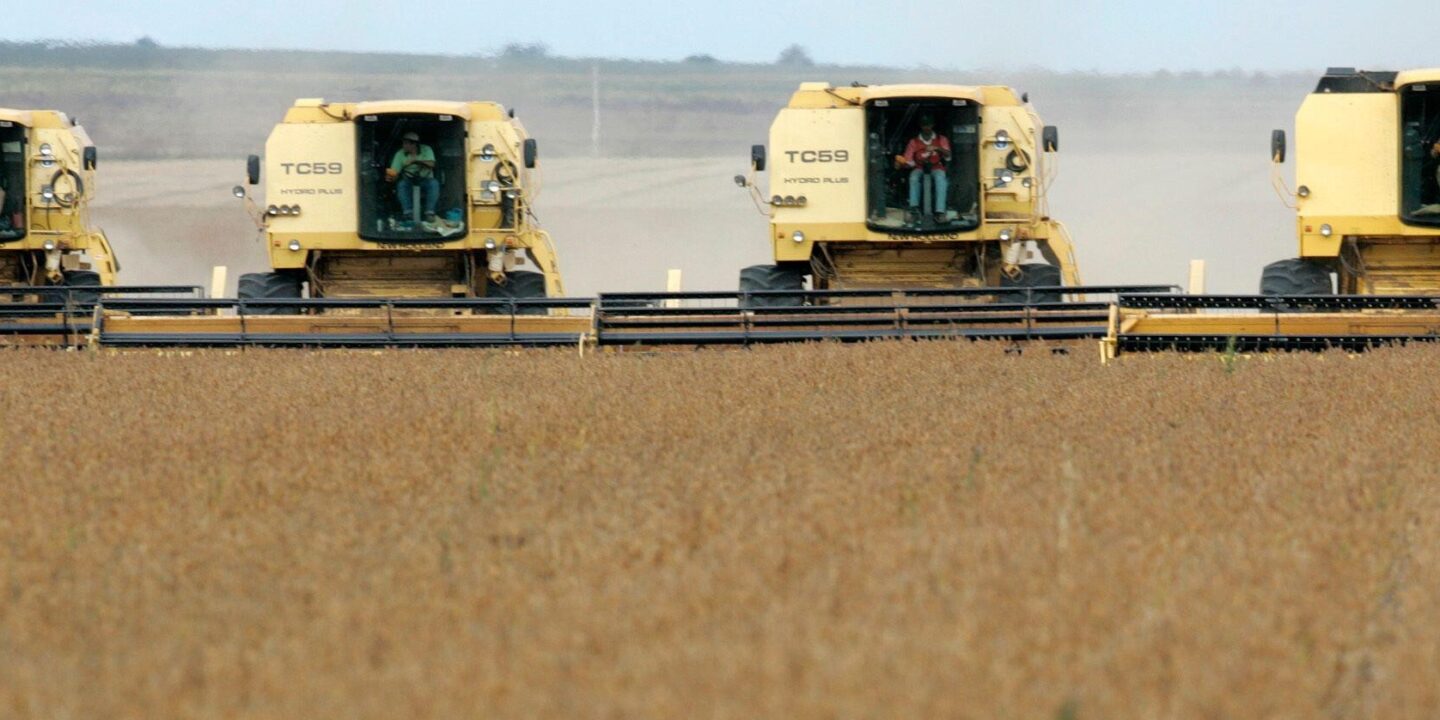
x,y
238,191
252,169
532,152
740,180
89,157
757,157
1277,147
1050,139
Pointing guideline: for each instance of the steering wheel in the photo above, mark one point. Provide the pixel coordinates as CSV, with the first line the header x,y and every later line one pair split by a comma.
x,y
413,170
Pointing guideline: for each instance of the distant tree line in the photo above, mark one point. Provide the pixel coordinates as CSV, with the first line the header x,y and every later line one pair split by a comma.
x,y
147,54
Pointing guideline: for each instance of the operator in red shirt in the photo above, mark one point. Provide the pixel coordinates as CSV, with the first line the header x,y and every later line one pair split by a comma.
x,y
928,154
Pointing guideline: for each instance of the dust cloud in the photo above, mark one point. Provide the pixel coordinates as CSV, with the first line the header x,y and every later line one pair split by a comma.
x,y
620,223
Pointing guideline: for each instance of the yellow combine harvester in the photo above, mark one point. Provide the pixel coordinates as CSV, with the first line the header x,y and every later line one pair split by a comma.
x,y
1367,170
399,199
1367,200
895,211
908,187
47,180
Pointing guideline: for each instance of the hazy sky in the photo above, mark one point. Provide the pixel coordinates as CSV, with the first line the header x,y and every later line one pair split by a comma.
x,y
1057,34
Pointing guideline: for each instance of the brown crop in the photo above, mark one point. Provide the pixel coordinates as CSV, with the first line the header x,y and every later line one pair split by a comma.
x,y
891,530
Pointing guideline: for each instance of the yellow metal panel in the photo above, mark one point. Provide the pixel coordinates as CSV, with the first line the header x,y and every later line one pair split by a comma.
x,y
491,111
508,141
1315,245
819,154
53,119
1014,201
71,223
312,166
1347,153
377,321
1340,324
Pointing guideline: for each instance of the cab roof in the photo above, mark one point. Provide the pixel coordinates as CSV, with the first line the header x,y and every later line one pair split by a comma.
x,y
314,109
420,107
1350,80
811,93
1411,77
19,117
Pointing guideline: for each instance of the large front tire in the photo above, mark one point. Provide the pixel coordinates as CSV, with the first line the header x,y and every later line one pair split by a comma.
x,y
520,285
759,278
1032,276
269,286
76,298
1296,277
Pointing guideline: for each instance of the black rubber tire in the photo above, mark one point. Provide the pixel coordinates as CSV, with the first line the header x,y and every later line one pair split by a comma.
x,y
772,277
1296,277
77,278
521,285
83,278
269,286
1031,276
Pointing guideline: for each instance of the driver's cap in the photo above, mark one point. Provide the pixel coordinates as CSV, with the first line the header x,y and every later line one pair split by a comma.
x,y
411,136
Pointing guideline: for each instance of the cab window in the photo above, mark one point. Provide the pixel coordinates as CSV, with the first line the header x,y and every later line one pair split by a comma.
x,y
412,177
922,165
12,181
1420,154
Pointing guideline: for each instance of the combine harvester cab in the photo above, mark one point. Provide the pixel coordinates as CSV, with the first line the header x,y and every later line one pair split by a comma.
x,y
385,223
849,210
47,245
401,199
1367,202
894,211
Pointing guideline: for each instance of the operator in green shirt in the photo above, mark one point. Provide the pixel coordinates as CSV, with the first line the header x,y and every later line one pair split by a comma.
x,y
414,165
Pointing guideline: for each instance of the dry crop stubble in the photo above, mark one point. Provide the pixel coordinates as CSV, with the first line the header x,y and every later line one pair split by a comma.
x,y
889,530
